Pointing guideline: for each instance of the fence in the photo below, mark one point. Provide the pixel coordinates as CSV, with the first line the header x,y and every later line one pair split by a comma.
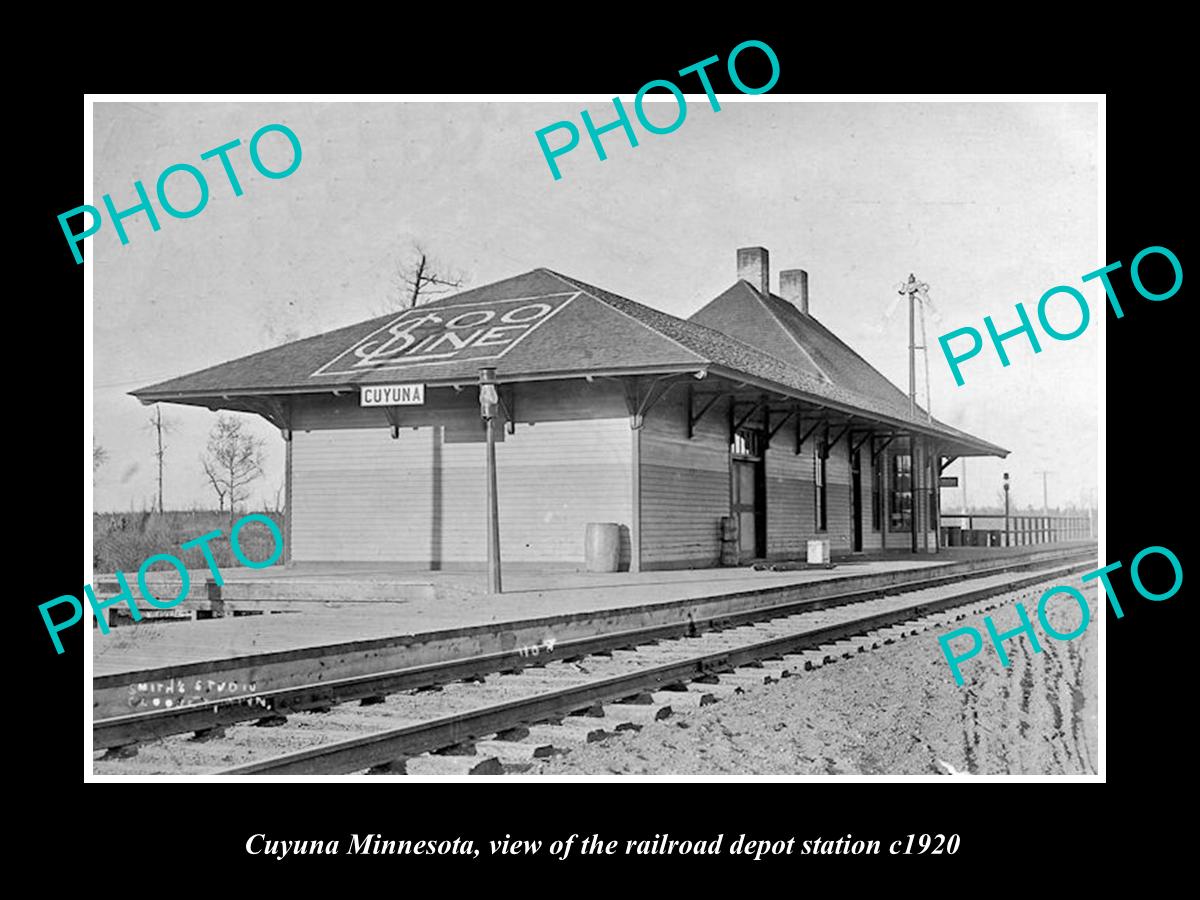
x,y
1022,529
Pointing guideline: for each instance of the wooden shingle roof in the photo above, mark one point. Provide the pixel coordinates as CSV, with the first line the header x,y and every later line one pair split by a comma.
x,y
551,325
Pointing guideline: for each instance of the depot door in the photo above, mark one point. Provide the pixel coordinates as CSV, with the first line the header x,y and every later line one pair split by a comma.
x,y
748,495
856,505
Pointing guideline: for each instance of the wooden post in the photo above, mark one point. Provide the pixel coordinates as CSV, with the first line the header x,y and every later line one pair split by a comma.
x,y
287,497
884,495
635,529
937,502
488,401
1006,540
913,472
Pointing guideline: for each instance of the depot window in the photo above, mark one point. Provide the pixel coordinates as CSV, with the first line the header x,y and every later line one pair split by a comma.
x,y
747,444
901,494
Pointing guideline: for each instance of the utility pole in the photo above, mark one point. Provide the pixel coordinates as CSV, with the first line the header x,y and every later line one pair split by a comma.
x,y
912,288
1045,492
912,352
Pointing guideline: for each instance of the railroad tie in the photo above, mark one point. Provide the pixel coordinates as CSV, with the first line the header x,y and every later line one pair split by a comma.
x,y
763,630
429,764
684,698
626,715
774,671
720,690
125,751
515,752
552,679
595,711
573,730
627,653
467,748
845,649
745,677
668,652
798,662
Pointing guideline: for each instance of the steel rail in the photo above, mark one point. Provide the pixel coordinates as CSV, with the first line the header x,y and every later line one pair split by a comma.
x,y
361,753
119,731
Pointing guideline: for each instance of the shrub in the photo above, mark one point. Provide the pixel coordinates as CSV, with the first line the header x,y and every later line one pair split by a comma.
x,y
123,541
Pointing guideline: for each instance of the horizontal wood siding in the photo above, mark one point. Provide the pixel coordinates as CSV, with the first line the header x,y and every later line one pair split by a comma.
x,y
555,478
684,486
360,495
791,496
532,402
837,476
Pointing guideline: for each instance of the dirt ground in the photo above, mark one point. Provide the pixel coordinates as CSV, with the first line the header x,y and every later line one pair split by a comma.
x,y
892,711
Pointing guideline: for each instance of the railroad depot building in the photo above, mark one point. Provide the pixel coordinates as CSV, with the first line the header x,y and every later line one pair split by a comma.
x,y
612,411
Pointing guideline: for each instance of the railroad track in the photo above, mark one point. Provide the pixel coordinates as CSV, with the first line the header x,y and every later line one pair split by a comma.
x,y
465,716
123,733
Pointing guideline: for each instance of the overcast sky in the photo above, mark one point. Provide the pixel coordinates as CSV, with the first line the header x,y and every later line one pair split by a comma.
x,y
990,204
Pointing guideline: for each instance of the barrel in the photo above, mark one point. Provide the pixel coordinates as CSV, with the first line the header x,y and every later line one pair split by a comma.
x,y
602,546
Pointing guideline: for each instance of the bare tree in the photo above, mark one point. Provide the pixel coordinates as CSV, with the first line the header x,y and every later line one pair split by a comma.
x,y
278,502
99,455
233,460
161,426
217,485
420,277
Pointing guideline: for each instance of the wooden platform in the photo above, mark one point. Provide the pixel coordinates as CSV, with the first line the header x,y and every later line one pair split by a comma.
x,y
195,661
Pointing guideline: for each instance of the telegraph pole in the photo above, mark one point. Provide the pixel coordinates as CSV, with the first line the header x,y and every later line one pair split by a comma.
x,y
1045,492
912,287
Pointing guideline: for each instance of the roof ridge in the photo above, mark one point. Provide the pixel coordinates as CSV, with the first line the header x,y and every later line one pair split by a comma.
x,y
715,333
833,336
774,315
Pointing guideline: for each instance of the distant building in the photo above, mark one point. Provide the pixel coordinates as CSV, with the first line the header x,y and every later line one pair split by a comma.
x,y
613,412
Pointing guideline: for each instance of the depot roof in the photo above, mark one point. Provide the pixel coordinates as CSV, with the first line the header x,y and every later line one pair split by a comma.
x,y
797,337
542,325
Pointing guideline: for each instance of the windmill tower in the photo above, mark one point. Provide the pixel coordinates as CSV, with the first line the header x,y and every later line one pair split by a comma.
x,y
918,299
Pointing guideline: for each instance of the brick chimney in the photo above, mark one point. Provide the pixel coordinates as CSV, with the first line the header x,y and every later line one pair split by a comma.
x,y
754,266
793,287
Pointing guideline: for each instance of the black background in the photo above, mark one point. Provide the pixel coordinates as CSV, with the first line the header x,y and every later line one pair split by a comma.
x,y
1149,402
